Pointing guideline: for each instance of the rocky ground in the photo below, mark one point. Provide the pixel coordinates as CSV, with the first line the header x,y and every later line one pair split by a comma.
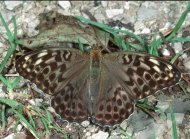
x,y
136,16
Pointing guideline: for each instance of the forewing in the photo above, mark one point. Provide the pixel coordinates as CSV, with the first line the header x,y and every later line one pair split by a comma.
x,y
141,75
51,69
62,73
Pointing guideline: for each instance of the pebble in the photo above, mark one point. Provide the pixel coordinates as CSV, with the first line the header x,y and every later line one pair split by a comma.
x,y
100,135
177,47
104,3
35,102
113,12
145,31
165,52
16,136
19,127
64,4
85,123
163,105
146,13
7,15
10,5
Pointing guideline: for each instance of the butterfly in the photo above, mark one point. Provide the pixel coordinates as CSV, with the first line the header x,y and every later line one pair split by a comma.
x,y
91,85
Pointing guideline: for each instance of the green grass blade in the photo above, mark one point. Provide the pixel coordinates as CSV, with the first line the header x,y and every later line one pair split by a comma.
x,y
3,117
9,102
180,40
81,45
31,119
125,134
16,125
183,88
5,81
9,35
179,23
16,81
45,123
11,40
174,129
111,30
27,124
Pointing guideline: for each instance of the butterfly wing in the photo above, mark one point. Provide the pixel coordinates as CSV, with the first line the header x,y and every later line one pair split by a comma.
x,y
140,74
59,72
51,69
112,103
127,77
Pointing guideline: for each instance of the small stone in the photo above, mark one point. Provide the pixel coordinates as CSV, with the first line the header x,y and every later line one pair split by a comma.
x,y
104,3
19,127
64,4
127,6
85,123
163,105
16,136
145,31
114,137
10,136
177,47
7,15
165,52
35,102
100,135
113,12
88,134
10,5
89,137
27,6
146,13
124,124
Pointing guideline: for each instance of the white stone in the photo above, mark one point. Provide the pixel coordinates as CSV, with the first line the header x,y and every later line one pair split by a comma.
x,y
19,127
113,12
104,3
187,63
165,52
100,135
10,5
163,105
35,102
145,31
10,136
89,137
85,123
177,47
88,134
64,4
27,6
127,6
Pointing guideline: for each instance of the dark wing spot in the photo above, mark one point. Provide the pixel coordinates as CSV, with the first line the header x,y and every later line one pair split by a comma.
x,y
108,108
101,108
140,81
46,70
119,102
122,112
52,77
108,116
147,76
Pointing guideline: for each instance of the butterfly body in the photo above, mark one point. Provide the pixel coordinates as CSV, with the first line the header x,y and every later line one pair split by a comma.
x,y
96,86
